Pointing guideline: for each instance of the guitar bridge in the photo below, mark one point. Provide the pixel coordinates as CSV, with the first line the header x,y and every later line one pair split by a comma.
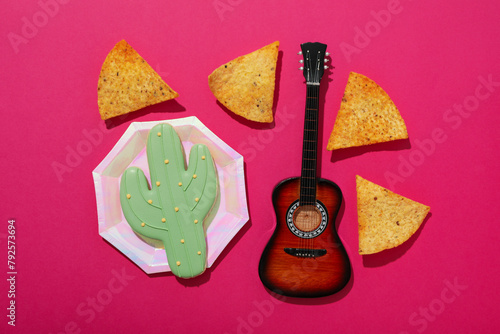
x,y
305,252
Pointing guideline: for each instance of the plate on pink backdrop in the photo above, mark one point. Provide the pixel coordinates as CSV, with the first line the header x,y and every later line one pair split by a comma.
x,y
230,212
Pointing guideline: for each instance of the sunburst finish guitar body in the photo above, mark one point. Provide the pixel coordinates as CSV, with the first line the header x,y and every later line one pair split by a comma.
x,y
305,257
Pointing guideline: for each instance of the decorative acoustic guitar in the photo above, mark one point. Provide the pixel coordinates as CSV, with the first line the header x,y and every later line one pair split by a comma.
x,y
305,257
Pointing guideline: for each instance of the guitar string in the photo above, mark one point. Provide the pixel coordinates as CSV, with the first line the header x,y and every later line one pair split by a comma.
x,y
313,181
314,119
304,154
314,150
312,142
313,115
302,242
317,129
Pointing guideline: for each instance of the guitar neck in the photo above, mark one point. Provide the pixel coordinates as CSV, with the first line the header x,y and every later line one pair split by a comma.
x,y
313,69
310,147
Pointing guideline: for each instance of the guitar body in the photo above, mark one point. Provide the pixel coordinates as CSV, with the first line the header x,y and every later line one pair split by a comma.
x,y
305,257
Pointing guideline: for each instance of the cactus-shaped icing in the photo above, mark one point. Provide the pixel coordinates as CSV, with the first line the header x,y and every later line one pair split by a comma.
x,y
173,208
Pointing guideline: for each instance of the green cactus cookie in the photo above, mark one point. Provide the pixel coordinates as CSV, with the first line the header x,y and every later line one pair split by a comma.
x,y
173,208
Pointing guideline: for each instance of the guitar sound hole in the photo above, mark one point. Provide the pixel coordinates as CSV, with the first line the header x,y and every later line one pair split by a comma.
x,y
307,218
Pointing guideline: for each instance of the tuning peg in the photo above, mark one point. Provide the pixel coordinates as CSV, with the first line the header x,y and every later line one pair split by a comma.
x,y
299,53
326,60
301,68
325,67
301,61
327,54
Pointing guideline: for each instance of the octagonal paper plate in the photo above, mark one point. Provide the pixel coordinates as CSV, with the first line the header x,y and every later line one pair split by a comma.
x,y
228,216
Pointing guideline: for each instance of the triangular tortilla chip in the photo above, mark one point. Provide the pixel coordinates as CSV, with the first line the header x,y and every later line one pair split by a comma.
x,y
128,83
245,85
385,219
367,116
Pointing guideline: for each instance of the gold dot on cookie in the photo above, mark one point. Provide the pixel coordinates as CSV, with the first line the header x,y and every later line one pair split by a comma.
x,y
178,263
195,176
128,196
176,209
163,220
150,201
202,157
182,241
159,134
166,161
196,221
143,224
180,184
157,183
199,253
196,199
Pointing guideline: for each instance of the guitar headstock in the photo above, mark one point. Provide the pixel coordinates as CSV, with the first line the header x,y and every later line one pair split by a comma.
x,y
313,62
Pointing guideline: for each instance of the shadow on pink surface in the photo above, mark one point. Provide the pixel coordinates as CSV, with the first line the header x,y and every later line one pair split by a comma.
x,y
171,106
346,153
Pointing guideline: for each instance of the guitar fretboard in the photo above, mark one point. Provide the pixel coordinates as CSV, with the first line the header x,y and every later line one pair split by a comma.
x,y
310,148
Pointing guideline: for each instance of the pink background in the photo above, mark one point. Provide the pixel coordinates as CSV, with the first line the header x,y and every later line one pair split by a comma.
x,y
431,57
